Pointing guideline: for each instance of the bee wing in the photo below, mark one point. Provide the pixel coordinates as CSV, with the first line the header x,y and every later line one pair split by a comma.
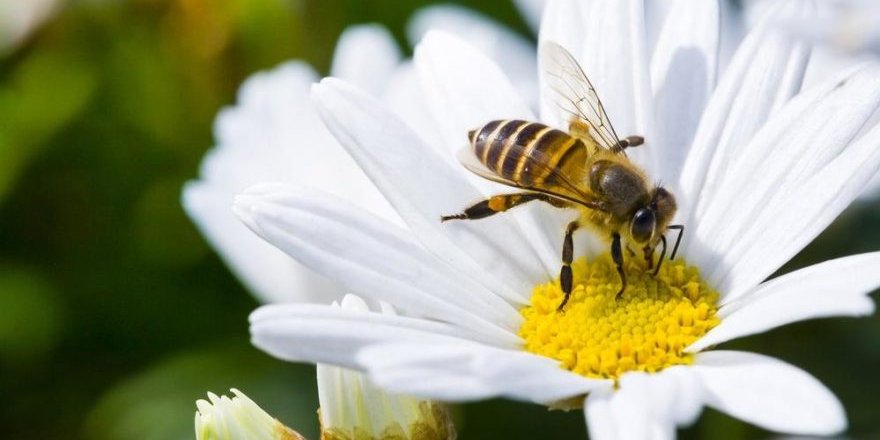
x,y
574,94
562,188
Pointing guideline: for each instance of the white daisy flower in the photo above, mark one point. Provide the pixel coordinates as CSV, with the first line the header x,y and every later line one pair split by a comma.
x,y
759,169
238,418
274,134
353,408
350,408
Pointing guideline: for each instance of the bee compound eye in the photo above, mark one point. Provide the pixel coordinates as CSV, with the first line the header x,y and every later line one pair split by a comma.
x,y
643,223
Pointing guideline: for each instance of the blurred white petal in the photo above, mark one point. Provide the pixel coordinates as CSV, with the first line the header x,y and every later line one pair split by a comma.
x,y
514,54
531,11
272,133
366,56
270,274
19,18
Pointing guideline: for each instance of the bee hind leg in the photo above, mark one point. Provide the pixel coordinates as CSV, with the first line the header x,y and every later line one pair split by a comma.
x,y
500,203
565,275
617,256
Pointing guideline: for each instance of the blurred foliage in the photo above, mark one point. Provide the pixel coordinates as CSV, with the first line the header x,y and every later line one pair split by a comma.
x,y
31,322
167,392
115,316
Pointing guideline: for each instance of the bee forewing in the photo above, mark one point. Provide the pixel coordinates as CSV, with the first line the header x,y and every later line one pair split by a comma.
x,y
574,95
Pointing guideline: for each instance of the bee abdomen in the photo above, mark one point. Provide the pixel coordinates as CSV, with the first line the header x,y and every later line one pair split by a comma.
x,y
510,148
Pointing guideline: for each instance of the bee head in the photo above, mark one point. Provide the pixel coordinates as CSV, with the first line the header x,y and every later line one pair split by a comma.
x,y
653,218
664,207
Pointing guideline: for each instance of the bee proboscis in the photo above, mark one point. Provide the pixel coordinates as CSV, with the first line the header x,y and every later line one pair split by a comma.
x,y
585,168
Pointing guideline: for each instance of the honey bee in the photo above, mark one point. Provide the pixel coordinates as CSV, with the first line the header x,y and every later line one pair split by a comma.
x,y
585,168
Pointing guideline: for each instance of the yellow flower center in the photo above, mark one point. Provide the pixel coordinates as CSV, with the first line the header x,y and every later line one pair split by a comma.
x,y
646,330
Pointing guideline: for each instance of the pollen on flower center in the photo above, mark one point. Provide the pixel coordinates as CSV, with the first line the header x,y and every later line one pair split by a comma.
x,y
646,330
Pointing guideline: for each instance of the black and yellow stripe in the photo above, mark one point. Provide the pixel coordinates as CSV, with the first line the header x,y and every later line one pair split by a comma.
x,y
528,153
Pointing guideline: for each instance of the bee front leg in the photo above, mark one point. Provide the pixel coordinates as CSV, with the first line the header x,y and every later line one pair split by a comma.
x,y
565,274
662,254
648,252
617,256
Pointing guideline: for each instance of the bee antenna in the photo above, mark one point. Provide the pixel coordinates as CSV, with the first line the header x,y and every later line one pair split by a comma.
x,y
657,189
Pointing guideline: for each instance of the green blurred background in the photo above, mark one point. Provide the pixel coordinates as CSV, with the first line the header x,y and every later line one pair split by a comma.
x,y
115,315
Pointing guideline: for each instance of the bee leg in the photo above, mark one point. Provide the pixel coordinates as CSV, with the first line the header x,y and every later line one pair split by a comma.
x,y
662,255
627,142
680,229
500,203
648,252
617,256
565,274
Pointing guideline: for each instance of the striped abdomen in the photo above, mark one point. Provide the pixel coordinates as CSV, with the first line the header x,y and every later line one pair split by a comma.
x,y
511,148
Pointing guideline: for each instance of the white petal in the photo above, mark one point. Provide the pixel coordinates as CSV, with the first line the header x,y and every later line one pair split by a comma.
x,y
768,393
423,187
531,11
656,14
682,79
452,372
514,54
674,394
266,271
646,405
608,38
626,413
272,133
618,68
811,176
561,23
733,29
765,73
872,190
331,335
371,257
366,56
834,288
